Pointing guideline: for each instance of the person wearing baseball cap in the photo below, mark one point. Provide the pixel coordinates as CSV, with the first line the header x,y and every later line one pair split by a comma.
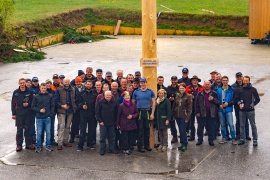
x,y
61,78
138,74
185,79
108,78
171,92
56,82
99,77
237,86
35,84
144,99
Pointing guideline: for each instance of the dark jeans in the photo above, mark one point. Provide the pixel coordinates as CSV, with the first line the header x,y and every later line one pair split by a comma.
x,y
91,122
52,128
182,126
33,127
107,131
144,130
173,128
23,124
127,139
237,124
209,122
75,125
192,125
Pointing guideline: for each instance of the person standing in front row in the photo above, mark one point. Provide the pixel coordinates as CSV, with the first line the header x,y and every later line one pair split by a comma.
x,y
182,109
206,105
106,115
43,105
162,118
247,98
65,101
126,122
145,102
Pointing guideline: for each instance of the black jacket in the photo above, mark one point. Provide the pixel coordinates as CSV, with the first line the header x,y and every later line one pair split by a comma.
x,y
171,92
87,97
185,80
200,104
106,112
237,87
247,96
43,101
18,98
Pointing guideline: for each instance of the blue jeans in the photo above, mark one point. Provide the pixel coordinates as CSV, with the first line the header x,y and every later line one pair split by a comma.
x,y
226,118
182,125
107,131
41,123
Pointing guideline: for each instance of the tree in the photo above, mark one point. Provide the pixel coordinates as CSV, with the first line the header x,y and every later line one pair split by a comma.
x,y
6,11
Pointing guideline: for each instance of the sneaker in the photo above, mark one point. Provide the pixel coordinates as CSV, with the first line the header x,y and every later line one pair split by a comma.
x,y
141,150
71,140
211,143
127,152
67,145
248,138
234,142
79,149
241,142
199,143
159,148
30,147
18,148
60,147
148,149
218,134
102,153
223,140
54,143
164,148
49,148
91,147
38,149
255,143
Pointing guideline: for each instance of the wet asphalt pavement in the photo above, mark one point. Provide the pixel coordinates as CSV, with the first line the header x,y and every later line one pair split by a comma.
x,y
200,54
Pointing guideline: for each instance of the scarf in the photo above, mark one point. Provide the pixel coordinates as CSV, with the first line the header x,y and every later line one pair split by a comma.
x,y
160,100
127,103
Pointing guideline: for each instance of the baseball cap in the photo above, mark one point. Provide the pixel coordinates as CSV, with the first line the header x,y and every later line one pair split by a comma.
x,y
48,81
62,76
142,79
108,73
55,76
185,70
136,80
99,70
27,80
174,77
214,72
238,74
137,73
34,79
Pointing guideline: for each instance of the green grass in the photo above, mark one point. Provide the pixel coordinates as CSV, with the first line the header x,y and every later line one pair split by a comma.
x,y
27,10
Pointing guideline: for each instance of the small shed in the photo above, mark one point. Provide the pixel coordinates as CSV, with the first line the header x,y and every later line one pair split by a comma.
x,y
259,18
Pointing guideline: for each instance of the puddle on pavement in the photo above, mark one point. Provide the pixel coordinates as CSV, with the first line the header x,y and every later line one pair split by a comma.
x,y
64,63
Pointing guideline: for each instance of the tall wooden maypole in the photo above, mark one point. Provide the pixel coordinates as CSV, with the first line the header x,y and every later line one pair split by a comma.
x,y
149,61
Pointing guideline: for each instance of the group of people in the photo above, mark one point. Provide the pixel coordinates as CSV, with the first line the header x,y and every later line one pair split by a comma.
x,y
123,108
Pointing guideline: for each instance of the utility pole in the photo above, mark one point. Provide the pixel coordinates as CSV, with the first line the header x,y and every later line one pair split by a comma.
x,y
149,61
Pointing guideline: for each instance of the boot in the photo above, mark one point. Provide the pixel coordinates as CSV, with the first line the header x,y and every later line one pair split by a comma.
x,y
174,139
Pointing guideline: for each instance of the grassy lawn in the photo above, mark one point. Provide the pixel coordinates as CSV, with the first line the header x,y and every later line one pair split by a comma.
x,y
27,10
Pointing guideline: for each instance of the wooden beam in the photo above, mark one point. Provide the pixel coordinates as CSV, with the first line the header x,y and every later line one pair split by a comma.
x,y
117,28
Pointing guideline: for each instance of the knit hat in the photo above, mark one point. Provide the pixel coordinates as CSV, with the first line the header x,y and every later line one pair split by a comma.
x,y
78,79
80,72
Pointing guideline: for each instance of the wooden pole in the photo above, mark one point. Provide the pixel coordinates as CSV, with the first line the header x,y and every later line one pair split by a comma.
x,y
149,61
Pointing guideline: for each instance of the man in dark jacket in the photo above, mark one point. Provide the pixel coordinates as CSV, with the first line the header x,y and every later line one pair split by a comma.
x,y
206,111
86,107
160,83
237,86
65,101
43,105
185,79
247,98
106,115
171,93
21,112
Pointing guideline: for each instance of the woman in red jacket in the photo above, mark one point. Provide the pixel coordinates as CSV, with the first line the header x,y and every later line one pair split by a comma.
x,y
126,122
